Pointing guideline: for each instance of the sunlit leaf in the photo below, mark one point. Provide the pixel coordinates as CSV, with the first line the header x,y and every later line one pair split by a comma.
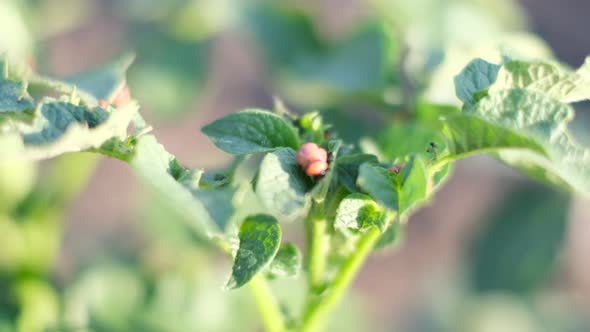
x,y
260,238
251,131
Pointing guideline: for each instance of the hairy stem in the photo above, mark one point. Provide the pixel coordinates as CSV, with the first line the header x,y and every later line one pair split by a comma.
x,y
318,309
268,308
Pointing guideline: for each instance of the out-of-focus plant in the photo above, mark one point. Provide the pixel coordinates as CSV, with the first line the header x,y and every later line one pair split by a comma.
x,y
350,197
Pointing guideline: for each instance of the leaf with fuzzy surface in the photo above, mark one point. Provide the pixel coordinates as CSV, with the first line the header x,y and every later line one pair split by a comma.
x,y
152,164
62,127
260,238
251,131
359,212
347,169
399,192
478,75
14,97
287,262
550,79
522,120
281,185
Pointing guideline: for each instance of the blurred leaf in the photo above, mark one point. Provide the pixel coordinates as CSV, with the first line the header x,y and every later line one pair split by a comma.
x,y
58,117
440,87
393,236
358,211
282,185
478,75
284,34
218,202
14,97
522,111
260,238
287,262
17,178
401,139
347,169
105,298
179,66
152,164
251,131
358,64
68,175
307,65
518,248
397,191
39,305
65,127
313,126
104,81
549,79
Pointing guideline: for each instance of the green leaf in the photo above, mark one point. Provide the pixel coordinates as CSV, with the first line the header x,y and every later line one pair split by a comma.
x,y
317,71
284,34
104,81
478,75
321,189
518,247
549,79
347,169
58,116
357,64
282,185
399,140
251,131
260,238
393,235
466,134
399,192
359,212
180,66
14,97
218,202
152,164
287,262
522,120
62,127
380,184
312,124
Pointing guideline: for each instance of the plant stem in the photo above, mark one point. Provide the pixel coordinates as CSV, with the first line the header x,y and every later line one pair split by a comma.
x,y
268,308
318,247
318,309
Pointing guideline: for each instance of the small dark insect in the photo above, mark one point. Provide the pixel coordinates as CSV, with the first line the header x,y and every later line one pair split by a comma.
x,y
431,147
312,159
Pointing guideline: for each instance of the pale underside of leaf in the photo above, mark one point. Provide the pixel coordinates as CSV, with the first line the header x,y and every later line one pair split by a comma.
x,y
282,185
152,163
62,134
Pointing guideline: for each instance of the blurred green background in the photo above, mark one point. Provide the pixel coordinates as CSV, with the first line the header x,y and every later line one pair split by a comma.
x,y
83,247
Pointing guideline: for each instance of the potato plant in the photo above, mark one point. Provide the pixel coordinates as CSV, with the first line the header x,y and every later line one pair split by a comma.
x,y
347,200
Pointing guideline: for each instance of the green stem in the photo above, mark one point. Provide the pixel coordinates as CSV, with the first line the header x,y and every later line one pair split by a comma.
x,y
317,310
268,308
318,248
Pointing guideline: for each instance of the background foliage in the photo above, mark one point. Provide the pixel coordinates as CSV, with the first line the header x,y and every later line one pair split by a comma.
x,y
383,77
